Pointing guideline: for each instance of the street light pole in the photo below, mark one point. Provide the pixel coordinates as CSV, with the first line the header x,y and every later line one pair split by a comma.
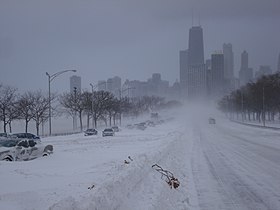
x,y
93,125
50,79
263,114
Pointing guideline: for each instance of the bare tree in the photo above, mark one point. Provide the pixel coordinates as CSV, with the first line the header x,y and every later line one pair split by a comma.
x,y
25,106
39,109
101,101
7,101
73,103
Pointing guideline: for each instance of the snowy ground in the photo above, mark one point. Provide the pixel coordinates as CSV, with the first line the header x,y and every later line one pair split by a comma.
x,y
221,166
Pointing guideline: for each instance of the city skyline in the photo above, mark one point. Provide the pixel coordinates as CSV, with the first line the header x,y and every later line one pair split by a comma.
x,y
97,38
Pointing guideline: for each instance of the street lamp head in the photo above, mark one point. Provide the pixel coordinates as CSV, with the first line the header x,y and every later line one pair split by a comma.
x,y
47,74
74,70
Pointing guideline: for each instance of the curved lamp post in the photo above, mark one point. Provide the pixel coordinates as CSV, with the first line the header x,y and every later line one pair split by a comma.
x,y
50,79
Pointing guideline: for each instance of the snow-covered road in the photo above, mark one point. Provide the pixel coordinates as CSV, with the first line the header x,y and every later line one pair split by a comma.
x,y
219,166
236,167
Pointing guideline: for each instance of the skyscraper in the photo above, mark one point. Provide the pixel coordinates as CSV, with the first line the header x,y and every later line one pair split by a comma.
x,y
245,73
244,60
228,61
75,84
217,72
196,73
196,48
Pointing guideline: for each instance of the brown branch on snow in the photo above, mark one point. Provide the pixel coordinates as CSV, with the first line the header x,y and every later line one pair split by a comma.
x,y
91,187
169,177
126,161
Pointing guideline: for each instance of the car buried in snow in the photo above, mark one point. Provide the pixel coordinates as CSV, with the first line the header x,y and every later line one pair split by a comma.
x,y
115,128
23,149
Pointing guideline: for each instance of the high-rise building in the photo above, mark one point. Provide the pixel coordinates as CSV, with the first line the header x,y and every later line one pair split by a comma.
x,y
114,85
196,72
102,85
217,72
278,65
75,84
196,81
245,73
244,60
228,61
196,48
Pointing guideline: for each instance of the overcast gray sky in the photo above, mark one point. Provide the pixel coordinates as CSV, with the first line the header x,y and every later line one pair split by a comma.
x,y
128,38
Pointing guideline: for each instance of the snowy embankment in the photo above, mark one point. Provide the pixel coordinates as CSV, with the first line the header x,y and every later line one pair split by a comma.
x,y
90,173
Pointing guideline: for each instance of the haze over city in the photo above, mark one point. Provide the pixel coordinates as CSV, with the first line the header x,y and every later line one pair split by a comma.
x,y
130,39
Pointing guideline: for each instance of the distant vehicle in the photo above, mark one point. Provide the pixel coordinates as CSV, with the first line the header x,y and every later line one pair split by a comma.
x,y
25,149
141,126
108,132
154,115
211,120
90,132
25,136
115,128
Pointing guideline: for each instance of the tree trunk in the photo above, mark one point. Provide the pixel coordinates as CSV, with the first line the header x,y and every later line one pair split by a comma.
x,y
26,125
87,120
37,128
81,121
10,126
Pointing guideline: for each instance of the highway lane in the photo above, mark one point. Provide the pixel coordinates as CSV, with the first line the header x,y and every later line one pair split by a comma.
x,y
236,167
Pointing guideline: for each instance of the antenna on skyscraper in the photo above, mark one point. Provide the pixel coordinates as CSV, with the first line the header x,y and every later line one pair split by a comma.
x,y
192,17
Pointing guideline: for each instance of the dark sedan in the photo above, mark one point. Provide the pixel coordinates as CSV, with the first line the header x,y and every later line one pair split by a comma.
x,y
90,132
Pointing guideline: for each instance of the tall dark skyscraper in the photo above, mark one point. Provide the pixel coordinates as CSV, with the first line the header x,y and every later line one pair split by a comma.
x,y
217,70
244,60
196,48
245,73
228,61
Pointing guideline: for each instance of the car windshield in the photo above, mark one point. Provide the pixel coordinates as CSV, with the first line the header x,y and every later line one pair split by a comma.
x,y
9,143
108,130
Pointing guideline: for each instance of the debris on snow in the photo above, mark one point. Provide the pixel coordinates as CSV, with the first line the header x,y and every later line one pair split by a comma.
x,y
169,177
91,187
126,161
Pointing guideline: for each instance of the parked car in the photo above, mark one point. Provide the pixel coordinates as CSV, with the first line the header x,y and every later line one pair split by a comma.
x,y
25,136
91,131
211,120
24,149
141,126
115,128
108,132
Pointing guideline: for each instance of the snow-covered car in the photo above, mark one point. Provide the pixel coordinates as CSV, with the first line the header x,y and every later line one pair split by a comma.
x,y
91,131
115,128
24,149
108,132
